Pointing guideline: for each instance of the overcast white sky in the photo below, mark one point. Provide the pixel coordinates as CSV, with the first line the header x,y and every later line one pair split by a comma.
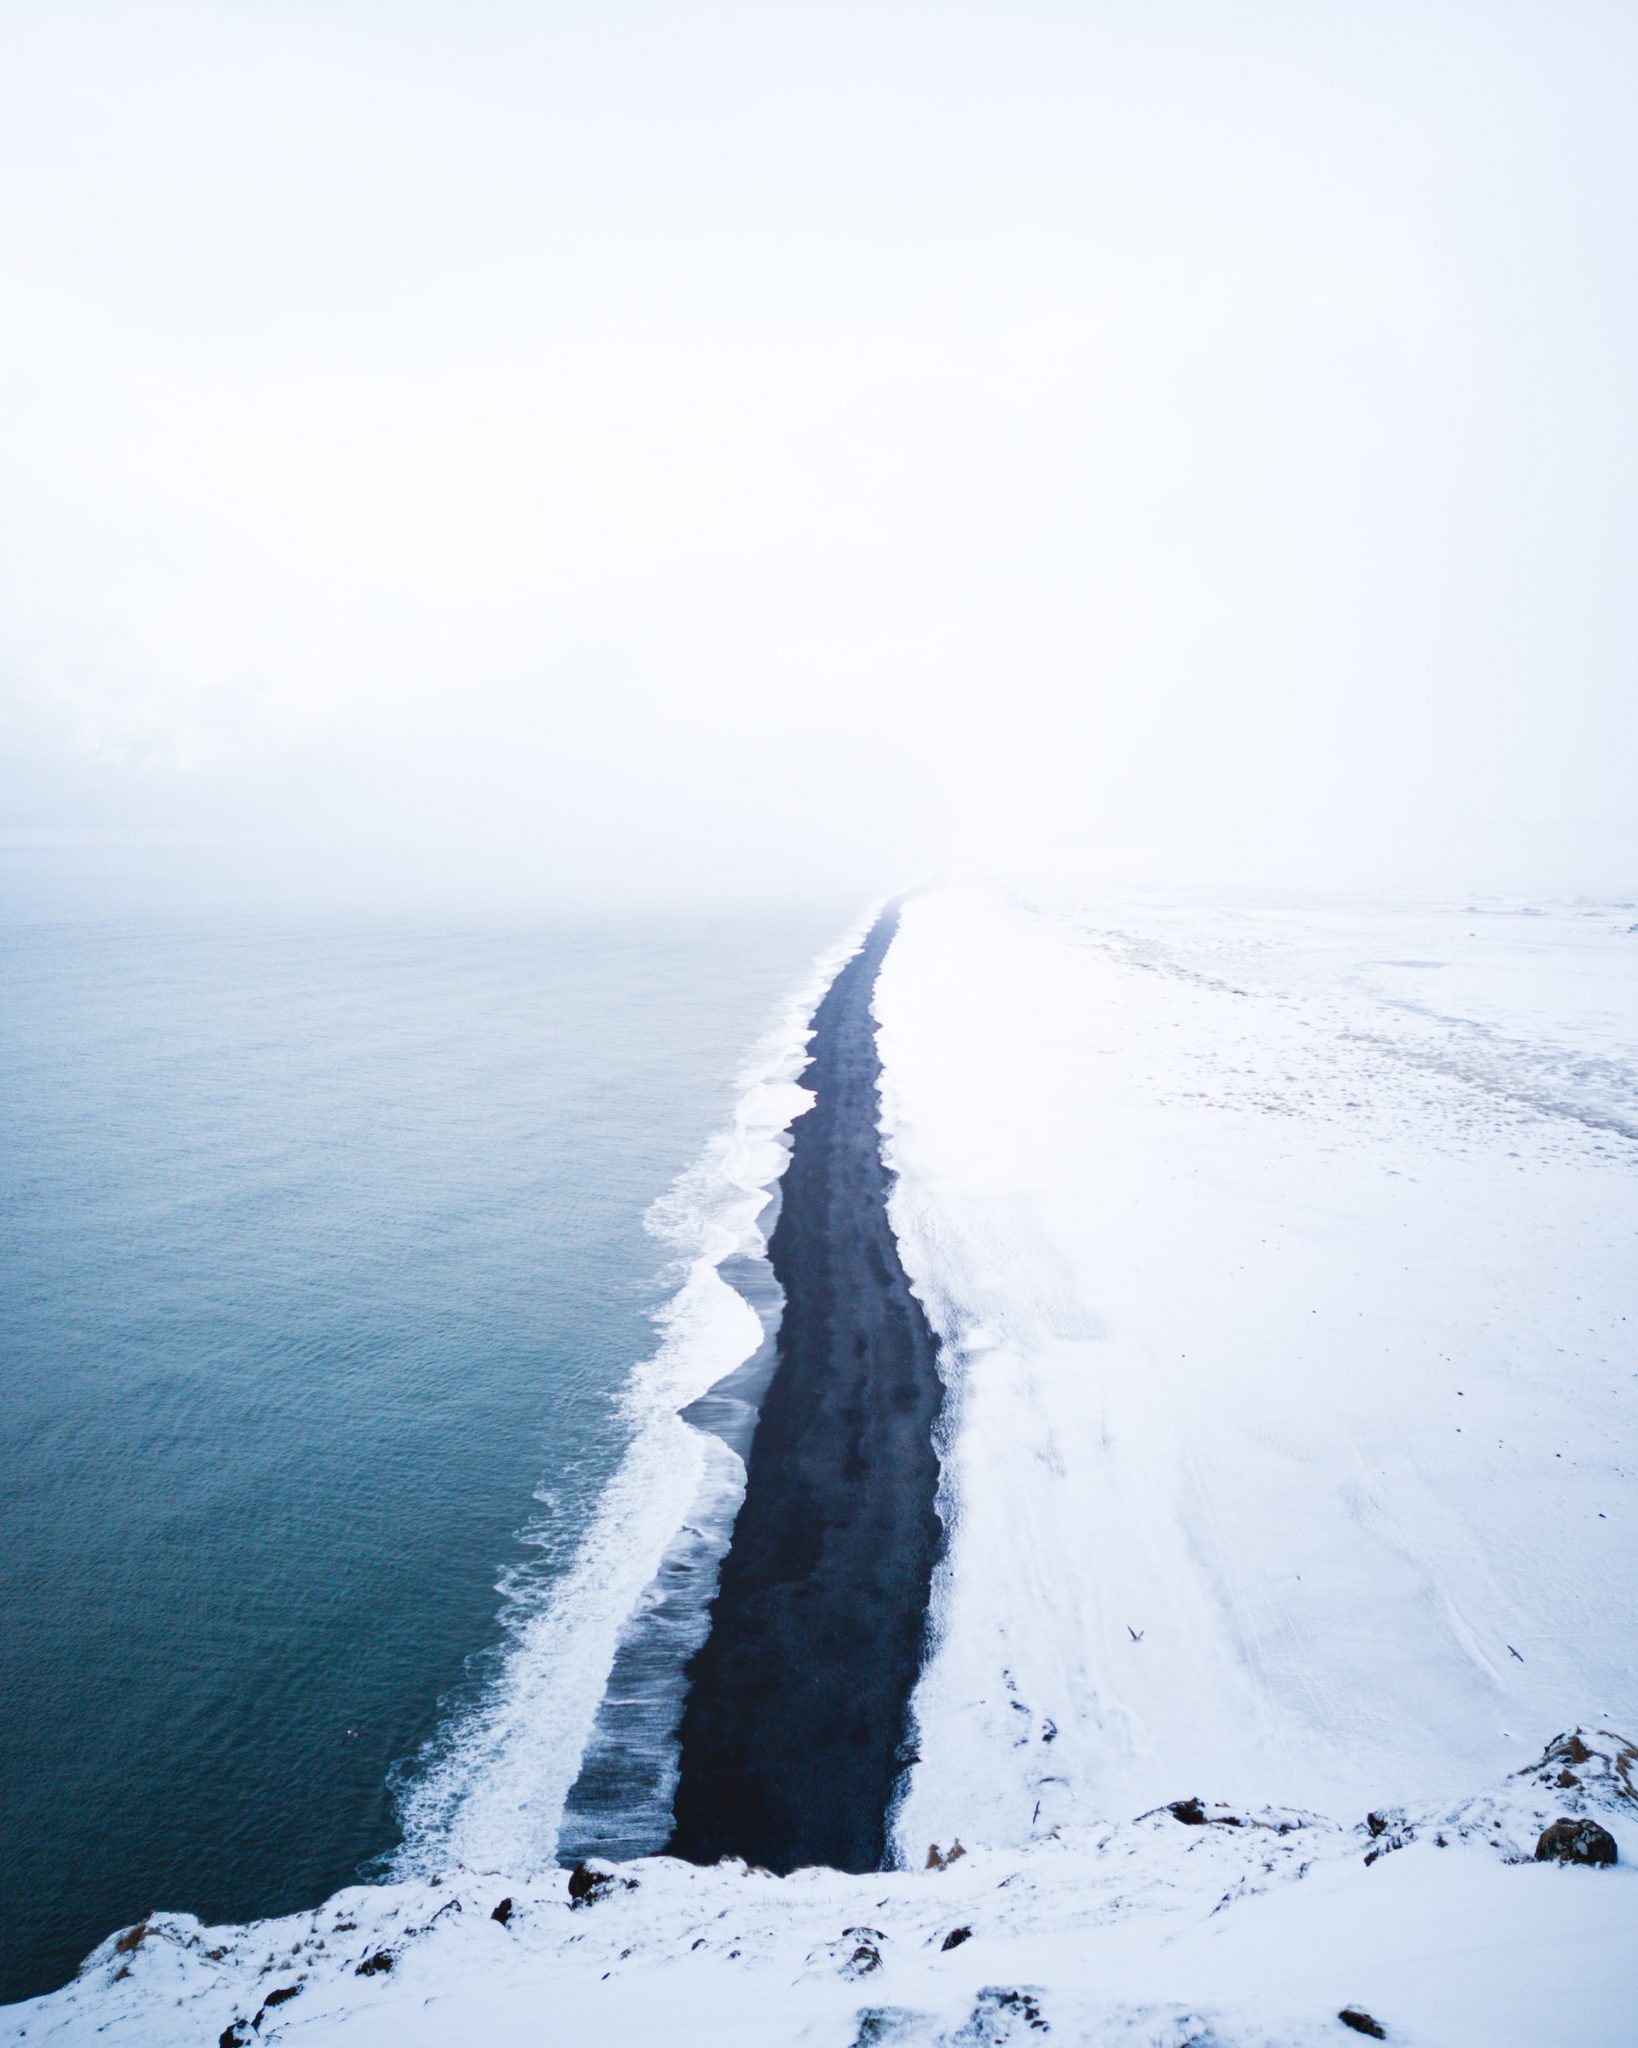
x,y
641,449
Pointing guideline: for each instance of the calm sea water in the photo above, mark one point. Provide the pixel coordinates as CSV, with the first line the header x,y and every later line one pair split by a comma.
x,y
321,1251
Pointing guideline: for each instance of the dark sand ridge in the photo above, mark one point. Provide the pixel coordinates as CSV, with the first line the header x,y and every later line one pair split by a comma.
x,y
795,1726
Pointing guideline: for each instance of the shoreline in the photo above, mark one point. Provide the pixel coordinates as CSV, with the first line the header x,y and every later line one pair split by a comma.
x,y
794,1731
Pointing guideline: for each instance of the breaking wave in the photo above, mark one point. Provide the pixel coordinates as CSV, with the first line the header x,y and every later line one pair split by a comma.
x,y
572,1744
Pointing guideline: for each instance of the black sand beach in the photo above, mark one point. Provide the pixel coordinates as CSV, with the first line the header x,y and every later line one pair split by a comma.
x,y
794,1730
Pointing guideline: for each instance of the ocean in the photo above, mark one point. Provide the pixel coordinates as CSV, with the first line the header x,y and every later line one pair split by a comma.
x,y
325,1292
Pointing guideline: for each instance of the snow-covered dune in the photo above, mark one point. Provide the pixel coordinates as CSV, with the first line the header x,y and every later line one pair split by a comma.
x,y
1284,1265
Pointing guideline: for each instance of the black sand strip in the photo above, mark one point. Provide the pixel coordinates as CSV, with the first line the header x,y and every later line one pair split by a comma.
x,y
794,1730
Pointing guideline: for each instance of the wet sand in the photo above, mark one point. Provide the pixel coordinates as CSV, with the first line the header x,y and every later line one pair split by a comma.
x,y
795,1727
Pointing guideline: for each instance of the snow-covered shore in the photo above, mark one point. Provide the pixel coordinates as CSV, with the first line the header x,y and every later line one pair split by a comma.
x,y
1284,1262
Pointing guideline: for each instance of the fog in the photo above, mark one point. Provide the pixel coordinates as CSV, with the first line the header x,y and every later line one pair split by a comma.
x,y
641,452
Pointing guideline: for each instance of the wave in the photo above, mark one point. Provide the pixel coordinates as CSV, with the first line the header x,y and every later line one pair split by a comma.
x,y
572,1745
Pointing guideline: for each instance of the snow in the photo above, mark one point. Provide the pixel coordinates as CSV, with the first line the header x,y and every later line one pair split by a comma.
x,y
1283,1261
1252,1929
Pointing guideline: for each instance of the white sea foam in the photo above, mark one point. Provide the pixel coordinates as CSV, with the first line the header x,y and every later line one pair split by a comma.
x,y
492,1793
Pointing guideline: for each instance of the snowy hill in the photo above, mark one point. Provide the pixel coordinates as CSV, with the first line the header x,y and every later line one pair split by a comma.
x,y
1242,1930
1283,1263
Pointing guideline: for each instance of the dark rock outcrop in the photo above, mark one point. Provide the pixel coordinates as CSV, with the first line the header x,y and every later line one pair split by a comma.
x,y
1576,1841
1000,2010
589,1882
1362,2023
866,1956
1193,1814
1592,1764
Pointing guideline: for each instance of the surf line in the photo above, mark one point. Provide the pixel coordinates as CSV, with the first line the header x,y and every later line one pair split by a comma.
x,y
796,1725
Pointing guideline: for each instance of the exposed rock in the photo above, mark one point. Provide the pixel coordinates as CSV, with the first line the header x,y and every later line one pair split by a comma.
x,y
1001,2015
1193,1813
503,1912
954,1939
588,1885
275,1998
938,1859
1600,1765
376,1965
131,1939
866,1955
1576,1841
235,2035
1388,1829
1362,2023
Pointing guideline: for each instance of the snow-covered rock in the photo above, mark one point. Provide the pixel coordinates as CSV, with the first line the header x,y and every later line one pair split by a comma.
x,y
1242,1929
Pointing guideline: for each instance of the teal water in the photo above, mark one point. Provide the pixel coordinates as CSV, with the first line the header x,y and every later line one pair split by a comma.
x,y
322,1260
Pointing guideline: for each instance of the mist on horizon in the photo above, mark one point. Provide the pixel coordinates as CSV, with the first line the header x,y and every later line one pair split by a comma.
x,y
631,455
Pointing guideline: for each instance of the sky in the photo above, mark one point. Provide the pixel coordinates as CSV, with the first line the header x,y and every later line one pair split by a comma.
x,y
654,451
